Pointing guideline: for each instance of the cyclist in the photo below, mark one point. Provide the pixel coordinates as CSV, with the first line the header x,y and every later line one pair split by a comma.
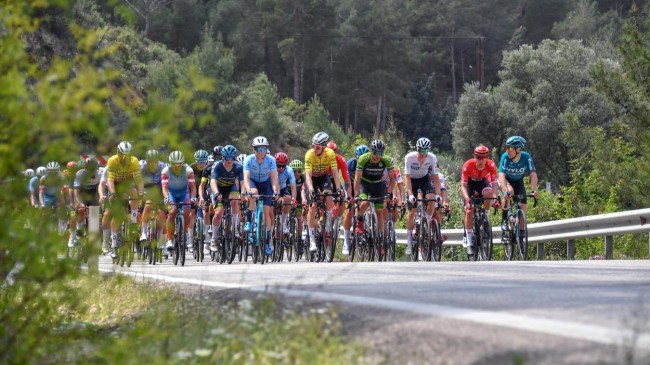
x,y
205,192
512,168
347,221
151,170
319,160
52,187
33,186
368,182
398,190
345,179
478,178
287,182
261,177
296,166
225,180
85,185
421,172
179,186
198,166
106,217
123,178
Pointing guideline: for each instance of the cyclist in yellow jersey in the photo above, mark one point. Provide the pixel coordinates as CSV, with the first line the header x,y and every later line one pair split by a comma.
x,y
123,178
318,162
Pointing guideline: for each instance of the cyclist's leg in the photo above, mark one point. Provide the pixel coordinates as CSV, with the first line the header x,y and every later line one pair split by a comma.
x,y
147,213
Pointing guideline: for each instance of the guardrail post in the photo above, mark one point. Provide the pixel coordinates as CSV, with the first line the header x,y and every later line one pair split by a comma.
x,y
540,251
453,253
571,249
609,244
94,237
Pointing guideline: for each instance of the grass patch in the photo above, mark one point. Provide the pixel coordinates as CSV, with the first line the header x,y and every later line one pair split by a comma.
x,y
121,321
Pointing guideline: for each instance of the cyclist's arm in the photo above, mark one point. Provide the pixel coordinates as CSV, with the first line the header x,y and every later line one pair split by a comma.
x,y
247,181
308,182
275,182
436,183
357,182
41,191
391,180
503,183
407,181
293,192
110,184
337,180
533,181
213,186
77,197
202,188
100,190
463,191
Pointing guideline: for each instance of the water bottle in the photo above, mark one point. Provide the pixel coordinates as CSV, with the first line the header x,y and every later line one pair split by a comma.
x,y
247,227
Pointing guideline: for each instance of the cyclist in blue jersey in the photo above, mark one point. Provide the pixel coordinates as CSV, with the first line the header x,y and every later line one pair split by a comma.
x,y
347,221
512,168
151,170
261,177
33,186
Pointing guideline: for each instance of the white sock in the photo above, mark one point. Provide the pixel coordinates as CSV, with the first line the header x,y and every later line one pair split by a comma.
x,y
284,218
235,220
470,235
107,235
409,237
346,234
311,232
145,227
134,216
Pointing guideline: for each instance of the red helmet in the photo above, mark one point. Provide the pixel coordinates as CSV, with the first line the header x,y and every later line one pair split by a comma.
x,y
281,158
481,151
71,164
332,146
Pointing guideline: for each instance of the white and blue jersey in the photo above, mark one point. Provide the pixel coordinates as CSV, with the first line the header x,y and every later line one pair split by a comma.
x,y
149,178
51,185
179,185
33,187
259,172
515,171
286,177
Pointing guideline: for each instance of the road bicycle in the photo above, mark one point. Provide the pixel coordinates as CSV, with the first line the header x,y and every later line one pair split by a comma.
x,y
128,237
370,244
326,246
389,230
257,230
280,240
482,230
180,236
228,244
517,232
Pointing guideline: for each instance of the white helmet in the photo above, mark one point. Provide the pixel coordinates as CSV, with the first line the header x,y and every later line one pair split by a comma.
x,y
176,157
241,157
41,171
53,166
423,143
320,139
124,148
29,173
260,141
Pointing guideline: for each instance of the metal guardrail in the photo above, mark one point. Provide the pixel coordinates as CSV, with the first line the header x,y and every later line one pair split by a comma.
x,y
601,225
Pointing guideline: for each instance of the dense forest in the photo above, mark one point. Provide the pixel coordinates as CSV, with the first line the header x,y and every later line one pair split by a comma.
x,y
567,75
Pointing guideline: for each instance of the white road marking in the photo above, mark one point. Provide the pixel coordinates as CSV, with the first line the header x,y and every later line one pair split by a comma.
x,y
575,330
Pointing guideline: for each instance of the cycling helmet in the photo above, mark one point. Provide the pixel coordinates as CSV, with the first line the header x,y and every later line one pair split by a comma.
x,y
481,151
333,146
296,165
229,151
91,162
320,139
423,143
201,156
124,148
53,166
281,158
29,173
377,145
217,150
176,157
41,171
516,142
260,141
241,157
71,165
361,149
152,155
210,159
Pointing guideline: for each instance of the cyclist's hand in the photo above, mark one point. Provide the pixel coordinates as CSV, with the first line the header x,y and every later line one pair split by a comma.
x,y
193,201
312,195
167,201
468,206
357,199
506,195
201,202
535,193
438,198
446,205
411,198
497,203
111,196
389,196
141,195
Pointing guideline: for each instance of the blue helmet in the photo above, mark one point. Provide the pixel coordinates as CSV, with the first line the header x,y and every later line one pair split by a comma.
x,y
516,142
361,149
201,156
229,151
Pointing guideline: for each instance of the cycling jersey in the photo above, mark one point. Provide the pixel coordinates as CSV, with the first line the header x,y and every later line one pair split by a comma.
x,y
398,177
320,165
178,183
84,181
227,178
152,178
443,182
286,177
198,175
121,172
342,168
352,167
33,187
372,172
260,171
51,185
473,174
415,169
516,170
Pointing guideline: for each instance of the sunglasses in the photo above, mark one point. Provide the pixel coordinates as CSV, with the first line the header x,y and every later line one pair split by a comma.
x,y
378,153
297,171
510,148
228,158
423,150
480,157
260,149
177,164
282,166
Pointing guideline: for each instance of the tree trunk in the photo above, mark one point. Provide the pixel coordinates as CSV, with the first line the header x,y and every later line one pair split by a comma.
x,y
453,71
147,25
296,75
378,120
302,69
462,67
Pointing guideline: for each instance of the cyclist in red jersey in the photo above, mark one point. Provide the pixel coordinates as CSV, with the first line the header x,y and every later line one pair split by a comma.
x,y
479,177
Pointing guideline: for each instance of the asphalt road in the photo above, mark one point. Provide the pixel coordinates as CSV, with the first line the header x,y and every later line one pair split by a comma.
x,y
569,312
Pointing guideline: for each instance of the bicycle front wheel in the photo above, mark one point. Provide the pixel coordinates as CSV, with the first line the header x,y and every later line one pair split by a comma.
x,y
486,240
521,235
436,241
424,240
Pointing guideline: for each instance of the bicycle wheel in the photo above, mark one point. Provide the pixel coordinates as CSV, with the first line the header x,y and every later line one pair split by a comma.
x,y
331,239
199,242
277,235
260,234
415,241
486,240
436,241
521,234
508,242
230,240
425,240
390,242
183,244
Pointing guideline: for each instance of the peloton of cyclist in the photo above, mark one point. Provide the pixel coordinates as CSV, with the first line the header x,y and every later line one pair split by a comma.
x,y
347,221
512,168
478,178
